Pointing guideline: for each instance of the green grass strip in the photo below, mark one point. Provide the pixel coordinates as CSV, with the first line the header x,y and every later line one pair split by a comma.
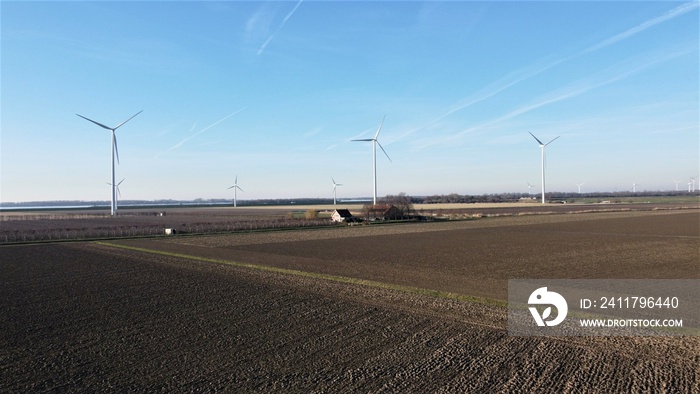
x,y
335,278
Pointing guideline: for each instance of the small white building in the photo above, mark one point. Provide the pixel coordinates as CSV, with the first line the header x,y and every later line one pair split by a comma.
x,y
341,215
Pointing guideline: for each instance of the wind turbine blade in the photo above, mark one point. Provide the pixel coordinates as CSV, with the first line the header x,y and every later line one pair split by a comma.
x,y
387,155
239,188
99,124
120,182
552,140
120,124
380,128
365,139
116,150
536,139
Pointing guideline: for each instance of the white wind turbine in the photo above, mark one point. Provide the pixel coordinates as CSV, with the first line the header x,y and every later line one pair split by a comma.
x,y
374,156
335,186
529,188
634,187
542,146
693,181
119,194
115,151
235,187
677,182
579,187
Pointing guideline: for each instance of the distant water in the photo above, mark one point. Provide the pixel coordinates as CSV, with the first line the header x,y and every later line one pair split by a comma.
x,y
45,207
20,207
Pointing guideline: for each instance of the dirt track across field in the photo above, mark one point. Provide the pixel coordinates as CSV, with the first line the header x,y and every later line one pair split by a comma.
x,y
94,317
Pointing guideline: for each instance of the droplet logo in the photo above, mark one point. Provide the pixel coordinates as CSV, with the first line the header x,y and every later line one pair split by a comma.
x,y
543,297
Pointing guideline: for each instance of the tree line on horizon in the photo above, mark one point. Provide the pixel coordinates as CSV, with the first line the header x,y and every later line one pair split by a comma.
x,y
431,199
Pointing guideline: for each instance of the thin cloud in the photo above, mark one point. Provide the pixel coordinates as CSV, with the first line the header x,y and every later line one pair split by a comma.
x,y
678,11
525,74
313,132
500,86
185,140
179,144
490,91
286,18
575,89
250,25
284,21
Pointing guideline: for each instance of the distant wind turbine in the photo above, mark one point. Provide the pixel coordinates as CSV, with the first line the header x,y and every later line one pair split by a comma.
x,y
235,187
529,188
335,186
677,182
375,142
119,193
693,181
115,151
542,146
579,187
634,187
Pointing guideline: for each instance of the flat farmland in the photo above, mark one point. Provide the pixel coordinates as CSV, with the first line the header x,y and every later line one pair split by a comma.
x,y
50,225
21,226
160,315
474,257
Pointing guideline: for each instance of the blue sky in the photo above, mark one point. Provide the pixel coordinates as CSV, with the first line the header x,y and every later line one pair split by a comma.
x,y
273,92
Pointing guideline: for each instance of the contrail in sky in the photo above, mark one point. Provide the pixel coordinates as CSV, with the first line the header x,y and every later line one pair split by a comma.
x,y
680,10
203,130
500,87
623,71
286,18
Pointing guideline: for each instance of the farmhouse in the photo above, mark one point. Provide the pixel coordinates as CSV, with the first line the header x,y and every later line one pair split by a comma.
x,y
341,215
384,212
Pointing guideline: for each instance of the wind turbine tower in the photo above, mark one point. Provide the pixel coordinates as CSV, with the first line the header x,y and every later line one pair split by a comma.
x,y
529,188
634,187
119,194
375,142
542,146
677,182
335,187
115,151
579,187
235,187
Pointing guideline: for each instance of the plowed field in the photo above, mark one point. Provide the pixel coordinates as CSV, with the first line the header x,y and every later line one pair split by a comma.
x,y
96,317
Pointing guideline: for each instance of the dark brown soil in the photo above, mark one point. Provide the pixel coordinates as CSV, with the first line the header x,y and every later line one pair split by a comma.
x,y
90,317
475,257
93,318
